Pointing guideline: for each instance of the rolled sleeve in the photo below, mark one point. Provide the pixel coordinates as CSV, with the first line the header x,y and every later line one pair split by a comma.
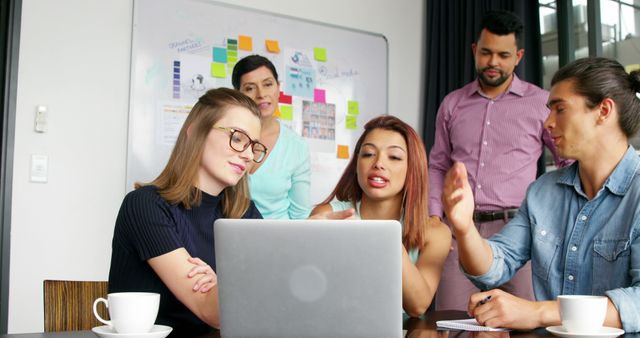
x,y
627,301
495,276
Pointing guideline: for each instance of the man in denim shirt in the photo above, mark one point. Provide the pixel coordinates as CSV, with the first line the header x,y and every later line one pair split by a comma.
x,y
580,225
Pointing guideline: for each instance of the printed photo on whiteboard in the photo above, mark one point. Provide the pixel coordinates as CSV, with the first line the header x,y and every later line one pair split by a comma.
x,y
173,115
300,76
319,120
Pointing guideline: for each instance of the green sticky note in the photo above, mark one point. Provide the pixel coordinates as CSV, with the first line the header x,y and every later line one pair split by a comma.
x,y
351,122
353,108
218,70
286,112
320,54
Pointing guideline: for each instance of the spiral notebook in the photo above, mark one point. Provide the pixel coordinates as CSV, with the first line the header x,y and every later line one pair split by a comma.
x,y
466,325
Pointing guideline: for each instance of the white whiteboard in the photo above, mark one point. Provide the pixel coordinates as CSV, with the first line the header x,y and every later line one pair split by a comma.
x,y
181,48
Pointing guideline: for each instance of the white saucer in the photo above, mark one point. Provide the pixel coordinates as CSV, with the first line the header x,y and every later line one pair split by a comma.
x,y
157,331
604,332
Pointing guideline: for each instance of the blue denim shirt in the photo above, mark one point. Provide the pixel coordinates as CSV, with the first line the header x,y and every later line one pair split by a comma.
x,y
576,245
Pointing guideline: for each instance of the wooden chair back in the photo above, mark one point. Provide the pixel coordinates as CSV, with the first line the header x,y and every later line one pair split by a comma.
x,y
68,305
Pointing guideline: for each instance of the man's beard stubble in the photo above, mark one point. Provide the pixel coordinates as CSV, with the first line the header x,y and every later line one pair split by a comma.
x,y
492,82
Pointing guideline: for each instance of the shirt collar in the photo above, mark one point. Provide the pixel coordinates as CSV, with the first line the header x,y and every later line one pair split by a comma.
x,y
517,87
618,182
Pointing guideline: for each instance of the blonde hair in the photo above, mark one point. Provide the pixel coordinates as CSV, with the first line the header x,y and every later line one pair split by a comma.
x,y
176,182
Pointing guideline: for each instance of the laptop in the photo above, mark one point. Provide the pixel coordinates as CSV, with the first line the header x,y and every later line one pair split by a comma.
x,y
309,278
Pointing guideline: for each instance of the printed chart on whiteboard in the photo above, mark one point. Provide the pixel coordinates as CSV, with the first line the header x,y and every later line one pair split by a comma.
x,y
332,79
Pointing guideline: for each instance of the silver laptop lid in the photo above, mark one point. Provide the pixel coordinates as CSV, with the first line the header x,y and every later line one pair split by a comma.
x,y
309,278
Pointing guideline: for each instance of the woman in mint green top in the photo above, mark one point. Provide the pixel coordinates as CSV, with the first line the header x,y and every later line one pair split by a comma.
x,y
344,205
280,189
387,179
280,185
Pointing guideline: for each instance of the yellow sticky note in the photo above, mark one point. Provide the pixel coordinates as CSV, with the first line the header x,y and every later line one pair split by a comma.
x,y
354,108
218,70
273,46
286,112
343,151
351,122
320,54
245,42
631,68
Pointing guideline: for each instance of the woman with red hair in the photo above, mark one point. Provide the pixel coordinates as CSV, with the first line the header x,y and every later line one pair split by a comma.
x,y
387,179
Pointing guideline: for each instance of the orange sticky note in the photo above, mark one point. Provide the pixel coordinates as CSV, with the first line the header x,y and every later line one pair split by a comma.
x,y
273,46
276,113
343,151
245,42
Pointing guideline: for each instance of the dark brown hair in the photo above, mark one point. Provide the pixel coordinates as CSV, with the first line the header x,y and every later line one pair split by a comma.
x,y
597,78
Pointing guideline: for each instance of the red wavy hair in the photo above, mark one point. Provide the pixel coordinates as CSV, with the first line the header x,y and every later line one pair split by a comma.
x,y
416,185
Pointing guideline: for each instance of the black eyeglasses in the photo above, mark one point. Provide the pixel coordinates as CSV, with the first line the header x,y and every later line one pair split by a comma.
x,y
240,141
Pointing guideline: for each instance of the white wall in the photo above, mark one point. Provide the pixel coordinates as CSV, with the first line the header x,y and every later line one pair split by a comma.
x,y
74,58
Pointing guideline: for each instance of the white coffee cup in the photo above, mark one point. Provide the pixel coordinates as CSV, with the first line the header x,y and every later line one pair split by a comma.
x,y
130,312
582,314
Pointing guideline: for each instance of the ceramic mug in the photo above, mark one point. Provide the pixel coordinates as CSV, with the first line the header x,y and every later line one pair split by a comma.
x,y
130,312
582,314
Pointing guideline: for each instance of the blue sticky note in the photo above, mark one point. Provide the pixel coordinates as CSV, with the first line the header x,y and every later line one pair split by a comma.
x,y
219,55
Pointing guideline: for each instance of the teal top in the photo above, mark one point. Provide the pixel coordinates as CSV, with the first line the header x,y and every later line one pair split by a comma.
x,y
280,187
344,205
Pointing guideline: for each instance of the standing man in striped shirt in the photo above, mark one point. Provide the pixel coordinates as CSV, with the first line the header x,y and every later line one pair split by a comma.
x,y
494,125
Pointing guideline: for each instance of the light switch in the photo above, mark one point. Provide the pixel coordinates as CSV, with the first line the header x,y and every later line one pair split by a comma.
x,y
39,168
41,119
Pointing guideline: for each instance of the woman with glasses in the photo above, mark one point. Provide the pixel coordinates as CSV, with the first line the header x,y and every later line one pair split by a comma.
x,y
387,179
280,184
163,225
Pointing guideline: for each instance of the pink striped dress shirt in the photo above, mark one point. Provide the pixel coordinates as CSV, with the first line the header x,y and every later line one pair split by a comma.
x,y
499,140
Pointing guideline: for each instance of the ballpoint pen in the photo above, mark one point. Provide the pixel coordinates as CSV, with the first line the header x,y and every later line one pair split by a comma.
x,y
484,301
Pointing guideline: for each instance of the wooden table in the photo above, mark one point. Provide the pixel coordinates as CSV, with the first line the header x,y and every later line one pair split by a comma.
x,y
416,328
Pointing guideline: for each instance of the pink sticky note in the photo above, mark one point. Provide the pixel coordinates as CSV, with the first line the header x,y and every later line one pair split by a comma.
x,y
318,95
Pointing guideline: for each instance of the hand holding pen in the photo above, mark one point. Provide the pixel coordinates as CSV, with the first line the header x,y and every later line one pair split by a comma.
x,y
496,308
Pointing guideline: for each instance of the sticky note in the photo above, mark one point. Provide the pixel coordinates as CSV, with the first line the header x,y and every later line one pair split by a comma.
x,y
354,108
319,95
276,113
218,70
320,54
245,42
343,151
286,112
351,122
285,98
219,54
631,68
273,46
